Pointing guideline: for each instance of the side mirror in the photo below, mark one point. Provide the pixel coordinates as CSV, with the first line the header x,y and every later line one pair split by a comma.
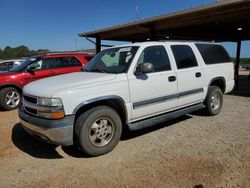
x,y
31,69
144,68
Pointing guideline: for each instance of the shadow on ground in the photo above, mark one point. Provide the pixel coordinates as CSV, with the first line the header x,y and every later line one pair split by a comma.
x,y
31,146
244,87
132,134
39,149
2,110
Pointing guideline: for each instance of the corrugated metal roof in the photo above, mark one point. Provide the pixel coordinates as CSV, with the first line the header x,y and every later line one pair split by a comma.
x,y
223,15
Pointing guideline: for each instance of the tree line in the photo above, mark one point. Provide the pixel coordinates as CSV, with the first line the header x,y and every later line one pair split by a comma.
x,y
244,60
23,51
19,52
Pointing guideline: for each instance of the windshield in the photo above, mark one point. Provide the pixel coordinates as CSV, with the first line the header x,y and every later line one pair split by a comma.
x,y
113,60
21,66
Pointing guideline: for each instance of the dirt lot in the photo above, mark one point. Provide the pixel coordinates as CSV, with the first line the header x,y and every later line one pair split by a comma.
x,y
192,151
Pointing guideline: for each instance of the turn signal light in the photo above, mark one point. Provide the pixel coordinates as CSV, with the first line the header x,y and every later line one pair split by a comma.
x,y
57,115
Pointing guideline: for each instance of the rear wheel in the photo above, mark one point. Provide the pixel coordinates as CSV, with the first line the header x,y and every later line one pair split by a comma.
x,y
10,98
98,130
214,100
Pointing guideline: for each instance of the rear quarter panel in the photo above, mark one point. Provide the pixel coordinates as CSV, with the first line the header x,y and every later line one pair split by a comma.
x,y
211,71
225,70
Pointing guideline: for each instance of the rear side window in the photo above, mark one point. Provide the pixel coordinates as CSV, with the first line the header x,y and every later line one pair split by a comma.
x,y
69,62
58,62
184,56
61,62
212,53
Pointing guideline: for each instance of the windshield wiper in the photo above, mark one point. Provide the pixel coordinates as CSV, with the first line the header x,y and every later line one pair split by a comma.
x,y
97,70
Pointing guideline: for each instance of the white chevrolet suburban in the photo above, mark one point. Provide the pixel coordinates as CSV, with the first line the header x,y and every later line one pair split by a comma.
x,y
135,86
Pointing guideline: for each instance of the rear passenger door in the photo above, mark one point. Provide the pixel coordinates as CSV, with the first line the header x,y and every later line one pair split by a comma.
x,y
189,75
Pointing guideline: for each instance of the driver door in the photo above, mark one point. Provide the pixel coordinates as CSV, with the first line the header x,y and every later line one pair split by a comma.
x,y
155,92
44,68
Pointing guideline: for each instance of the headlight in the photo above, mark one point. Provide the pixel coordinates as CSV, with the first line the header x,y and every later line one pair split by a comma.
x,y
53,108
49,102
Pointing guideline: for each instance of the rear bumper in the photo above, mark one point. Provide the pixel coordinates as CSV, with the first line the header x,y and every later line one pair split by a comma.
x,y
58,132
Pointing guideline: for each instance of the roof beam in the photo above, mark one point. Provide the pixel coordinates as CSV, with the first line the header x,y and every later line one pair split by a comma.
x,y
218,21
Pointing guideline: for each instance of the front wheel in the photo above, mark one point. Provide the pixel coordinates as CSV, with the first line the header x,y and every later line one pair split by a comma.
x,y
214,100
98,130
10,98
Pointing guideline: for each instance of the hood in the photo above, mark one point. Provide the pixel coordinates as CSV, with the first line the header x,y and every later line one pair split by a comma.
x,y
64,83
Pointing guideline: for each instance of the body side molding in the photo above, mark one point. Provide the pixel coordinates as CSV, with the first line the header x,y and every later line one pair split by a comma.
x,y
165,98
164,117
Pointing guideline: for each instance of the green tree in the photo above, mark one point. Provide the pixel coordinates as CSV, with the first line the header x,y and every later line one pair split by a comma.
x,y
1,54
7,52
21,51
42,51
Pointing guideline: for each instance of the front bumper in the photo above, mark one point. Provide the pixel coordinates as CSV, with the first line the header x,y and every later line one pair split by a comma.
x,y
58,132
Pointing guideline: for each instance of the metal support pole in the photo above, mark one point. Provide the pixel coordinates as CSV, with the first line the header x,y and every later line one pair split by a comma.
x,y
152,34
237,65
98,45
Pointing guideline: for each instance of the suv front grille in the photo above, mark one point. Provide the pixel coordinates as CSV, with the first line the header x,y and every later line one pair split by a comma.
x,y
30,103
30,110
30,99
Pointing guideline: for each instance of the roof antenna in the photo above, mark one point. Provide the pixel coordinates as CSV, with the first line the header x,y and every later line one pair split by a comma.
x,y
137,12
76,44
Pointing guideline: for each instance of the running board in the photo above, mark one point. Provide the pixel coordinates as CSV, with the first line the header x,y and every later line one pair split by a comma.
x,y
164,117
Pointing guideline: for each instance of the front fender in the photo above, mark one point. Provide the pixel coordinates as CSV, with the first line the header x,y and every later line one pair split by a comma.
x,y
98,99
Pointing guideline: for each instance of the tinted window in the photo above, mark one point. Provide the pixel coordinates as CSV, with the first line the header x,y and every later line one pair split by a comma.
x,y
21,66
44,64
157,56
7,63
4,66
184,56
212,53
68,62
58,62
88,58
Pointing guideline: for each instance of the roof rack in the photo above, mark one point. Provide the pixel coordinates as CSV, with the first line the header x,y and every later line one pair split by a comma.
x,y
70,52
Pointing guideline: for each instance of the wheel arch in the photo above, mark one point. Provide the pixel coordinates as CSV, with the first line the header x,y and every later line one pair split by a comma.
x,y
219,82
114,102
16,86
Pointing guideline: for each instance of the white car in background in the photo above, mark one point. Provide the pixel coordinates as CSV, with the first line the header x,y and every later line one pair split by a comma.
x,y
8,64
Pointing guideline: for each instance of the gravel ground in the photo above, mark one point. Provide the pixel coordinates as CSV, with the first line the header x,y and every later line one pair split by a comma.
x,y
192,151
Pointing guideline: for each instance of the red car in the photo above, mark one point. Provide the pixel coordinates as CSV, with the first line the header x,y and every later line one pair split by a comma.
x,y
13,80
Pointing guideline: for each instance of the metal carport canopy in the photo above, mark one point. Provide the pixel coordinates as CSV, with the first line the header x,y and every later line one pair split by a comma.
x,y
227,20
222,21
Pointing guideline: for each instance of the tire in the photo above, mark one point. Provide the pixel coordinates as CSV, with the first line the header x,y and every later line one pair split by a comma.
x,y
98,130
10,98
213,101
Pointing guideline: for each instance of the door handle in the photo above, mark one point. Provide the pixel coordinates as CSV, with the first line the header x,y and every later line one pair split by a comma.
x,y
198,74
171,78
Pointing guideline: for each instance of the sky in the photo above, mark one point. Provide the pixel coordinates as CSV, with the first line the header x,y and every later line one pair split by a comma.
x,y
55,24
